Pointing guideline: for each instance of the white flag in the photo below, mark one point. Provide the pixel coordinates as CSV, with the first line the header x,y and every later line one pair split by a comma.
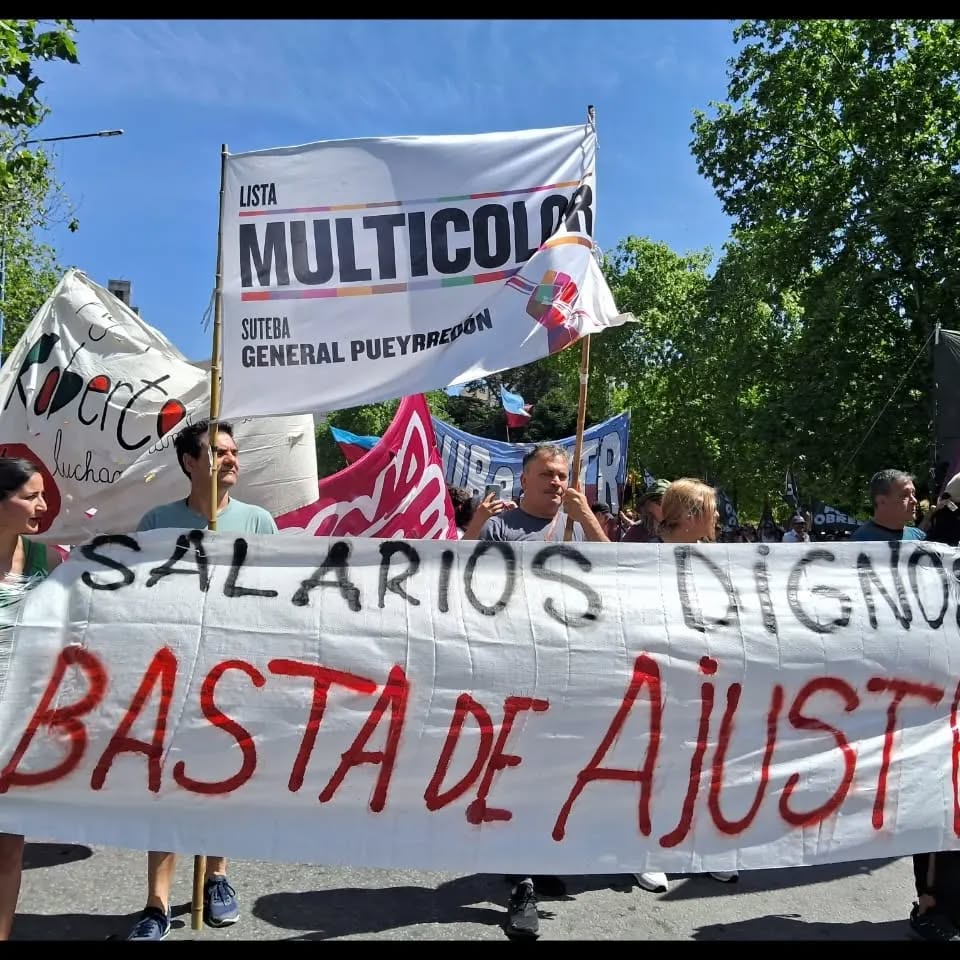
x,y
93,396
361,270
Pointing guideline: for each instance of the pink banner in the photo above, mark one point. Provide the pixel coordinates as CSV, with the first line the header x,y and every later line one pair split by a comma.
x,y
396,490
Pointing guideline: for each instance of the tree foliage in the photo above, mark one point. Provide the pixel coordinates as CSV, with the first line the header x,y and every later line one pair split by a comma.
x,y
699,368
30,197
549,386
22,46
836,154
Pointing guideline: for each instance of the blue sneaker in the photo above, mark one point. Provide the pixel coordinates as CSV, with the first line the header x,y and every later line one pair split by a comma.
x,y
220,907
153,924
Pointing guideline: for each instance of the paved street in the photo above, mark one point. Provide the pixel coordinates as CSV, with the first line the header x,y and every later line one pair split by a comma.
x,y
73,892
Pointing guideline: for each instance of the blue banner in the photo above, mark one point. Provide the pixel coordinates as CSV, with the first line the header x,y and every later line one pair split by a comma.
x,y
473,462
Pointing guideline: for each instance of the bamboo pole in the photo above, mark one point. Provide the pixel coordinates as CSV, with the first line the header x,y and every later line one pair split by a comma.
x,y
582,403
200,860
581,420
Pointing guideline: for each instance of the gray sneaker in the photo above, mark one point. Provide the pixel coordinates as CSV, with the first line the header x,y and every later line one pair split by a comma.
x,y
153,924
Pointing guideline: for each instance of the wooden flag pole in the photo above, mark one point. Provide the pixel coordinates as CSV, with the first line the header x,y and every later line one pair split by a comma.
x,y
581,419
200,860
215,373
582,404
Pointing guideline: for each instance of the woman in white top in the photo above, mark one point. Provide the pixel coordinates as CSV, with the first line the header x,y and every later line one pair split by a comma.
x,y
689,509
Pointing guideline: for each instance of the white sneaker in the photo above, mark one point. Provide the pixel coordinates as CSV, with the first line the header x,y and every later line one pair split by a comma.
x,y
652,880
725,876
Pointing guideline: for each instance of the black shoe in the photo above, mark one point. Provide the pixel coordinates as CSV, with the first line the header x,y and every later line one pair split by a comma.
x,y
932,925
522,918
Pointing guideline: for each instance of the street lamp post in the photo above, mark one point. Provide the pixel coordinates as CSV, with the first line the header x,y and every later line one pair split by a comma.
x,y
3,226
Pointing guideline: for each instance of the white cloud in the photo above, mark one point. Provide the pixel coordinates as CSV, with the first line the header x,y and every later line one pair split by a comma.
x,y
352,73
303,71
208,64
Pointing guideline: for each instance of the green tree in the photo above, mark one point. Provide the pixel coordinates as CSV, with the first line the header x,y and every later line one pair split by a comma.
x,y
371,419
747,331
22,46
554,417
546,384
836,155
649,367
30,197
367,420
546,389
700,369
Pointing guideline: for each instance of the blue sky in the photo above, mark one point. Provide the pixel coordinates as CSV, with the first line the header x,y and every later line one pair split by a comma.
x,y
147,201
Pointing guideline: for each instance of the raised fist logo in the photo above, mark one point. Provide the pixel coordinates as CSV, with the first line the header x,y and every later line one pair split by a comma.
x,y
551,305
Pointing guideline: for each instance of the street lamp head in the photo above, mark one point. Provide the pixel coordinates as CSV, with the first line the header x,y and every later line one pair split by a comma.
x,y
74,136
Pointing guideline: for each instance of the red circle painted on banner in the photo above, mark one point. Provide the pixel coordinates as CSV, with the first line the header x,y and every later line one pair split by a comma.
x,y
708,666
171,413
51,492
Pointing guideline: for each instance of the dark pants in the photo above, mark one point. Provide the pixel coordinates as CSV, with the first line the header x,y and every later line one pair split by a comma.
x,y
921,864
946,882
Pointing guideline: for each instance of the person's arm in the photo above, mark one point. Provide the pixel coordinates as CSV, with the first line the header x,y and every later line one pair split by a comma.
x,y
489,507
577,509
53,559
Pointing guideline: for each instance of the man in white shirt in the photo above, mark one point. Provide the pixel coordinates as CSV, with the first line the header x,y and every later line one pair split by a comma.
x,y
798,530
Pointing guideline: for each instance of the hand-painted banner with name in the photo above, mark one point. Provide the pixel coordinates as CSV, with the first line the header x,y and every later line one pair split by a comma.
x,y
94,396
479,706
356,271
473,462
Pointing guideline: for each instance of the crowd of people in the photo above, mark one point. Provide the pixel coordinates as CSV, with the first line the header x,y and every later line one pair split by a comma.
x,y
641,524
679,512
685,511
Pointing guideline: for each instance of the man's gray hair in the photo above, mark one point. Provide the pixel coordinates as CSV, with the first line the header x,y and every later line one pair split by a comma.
x,y
552,451
883,480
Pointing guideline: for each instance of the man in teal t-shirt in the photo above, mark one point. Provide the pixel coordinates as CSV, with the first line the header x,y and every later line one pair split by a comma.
x,y
191,513
220,908
235,517
894,509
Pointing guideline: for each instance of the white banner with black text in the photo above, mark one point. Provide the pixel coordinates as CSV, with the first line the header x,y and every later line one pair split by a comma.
x,y
487,707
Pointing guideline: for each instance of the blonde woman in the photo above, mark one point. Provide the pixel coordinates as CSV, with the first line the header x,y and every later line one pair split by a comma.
x,y
689,515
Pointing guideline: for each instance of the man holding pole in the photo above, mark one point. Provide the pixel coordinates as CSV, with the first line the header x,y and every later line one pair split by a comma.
x,y
548,502
220,908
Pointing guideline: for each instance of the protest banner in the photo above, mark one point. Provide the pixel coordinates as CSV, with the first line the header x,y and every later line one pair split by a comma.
x,y
488,707
361,270
395,490
472,462
93,396
828,519
728,512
